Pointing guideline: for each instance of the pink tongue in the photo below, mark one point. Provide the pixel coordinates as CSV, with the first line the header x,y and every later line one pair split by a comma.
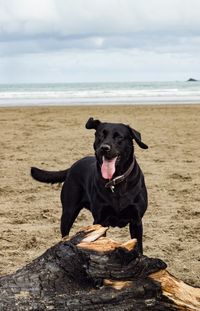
x,y
108,168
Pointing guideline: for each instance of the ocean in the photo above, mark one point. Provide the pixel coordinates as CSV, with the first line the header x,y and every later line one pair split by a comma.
x,y
99,93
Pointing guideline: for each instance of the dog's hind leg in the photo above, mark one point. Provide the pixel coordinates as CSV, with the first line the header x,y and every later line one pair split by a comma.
x,y
71,196
67,220
136,232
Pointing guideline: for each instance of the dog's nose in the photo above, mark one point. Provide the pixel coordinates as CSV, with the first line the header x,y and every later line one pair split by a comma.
x,y
105,148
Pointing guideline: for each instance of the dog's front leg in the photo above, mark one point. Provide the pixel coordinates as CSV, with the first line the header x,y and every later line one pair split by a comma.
x,y
136,231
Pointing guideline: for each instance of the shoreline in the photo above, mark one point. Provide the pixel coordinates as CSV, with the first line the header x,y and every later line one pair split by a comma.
x,y
103,93
106,104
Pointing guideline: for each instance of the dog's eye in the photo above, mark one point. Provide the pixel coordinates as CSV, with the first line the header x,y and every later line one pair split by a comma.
x,y
117,136
99,136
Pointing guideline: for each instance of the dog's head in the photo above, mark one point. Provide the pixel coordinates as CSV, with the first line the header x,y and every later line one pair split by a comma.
x,y
113,146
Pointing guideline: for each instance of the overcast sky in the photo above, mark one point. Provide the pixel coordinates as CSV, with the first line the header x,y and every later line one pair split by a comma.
x,y
99,40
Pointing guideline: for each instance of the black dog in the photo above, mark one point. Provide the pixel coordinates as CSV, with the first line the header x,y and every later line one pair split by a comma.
x,y
111,184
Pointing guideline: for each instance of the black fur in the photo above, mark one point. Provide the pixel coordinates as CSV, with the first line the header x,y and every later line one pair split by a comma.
x,y
48,177
84,186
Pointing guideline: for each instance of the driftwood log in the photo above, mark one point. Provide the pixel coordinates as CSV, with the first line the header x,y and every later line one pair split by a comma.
x,y
91,272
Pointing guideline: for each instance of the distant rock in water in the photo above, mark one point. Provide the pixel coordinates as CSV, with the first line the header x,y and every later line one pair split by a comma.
x,y
192,80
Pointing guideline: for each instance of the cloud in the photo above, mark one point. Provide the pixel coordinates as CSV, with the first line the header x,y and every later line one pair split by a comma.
x,y
36,26
26,17
91,17
103,65
44,39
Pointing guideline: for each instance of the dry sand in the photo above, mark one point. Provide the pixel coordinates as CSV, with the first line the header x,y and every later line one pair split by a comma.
x,y
54,137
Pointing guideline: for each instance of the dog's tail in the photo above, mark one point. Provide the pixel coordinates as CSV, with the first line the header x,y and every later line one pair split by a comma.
x,y
49,177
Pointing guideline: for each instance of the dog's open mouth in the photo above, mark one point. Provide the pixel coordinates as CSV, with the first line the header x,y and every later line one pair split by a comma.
x,y
108,167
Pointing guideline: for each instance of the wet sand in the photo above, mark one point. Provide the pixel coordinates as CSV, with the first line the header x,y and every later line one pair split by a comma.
x,y
55,137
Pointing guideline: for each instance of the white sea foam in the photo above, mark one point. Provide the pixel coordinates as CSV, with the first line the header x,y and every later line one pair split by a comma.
x,y
39,94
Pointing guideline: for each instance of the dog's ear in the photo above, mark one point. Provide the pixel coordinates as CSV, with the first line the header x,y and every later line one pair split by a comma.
x,y
137,136
92,124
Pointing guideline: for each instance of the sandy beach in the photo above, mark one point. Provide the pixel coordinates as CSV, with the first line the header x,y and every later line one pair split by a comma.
x,y
55,137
